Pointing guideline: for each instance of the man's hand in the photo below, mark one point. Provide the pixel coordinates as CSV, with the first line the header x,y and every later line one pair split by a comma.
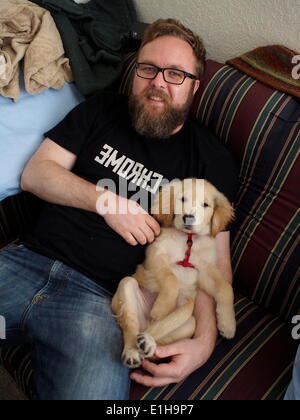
x,y
190,354
48,175
128,219
186,356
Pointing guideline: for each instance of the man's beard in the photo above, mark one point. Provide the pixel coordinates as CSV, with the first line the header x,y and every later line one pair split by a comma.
x,y
153,122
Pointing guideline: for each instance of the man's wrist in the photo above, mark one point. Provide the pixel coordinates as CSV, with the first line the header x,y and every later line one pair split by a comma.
x,y
209,335
104,200
205,345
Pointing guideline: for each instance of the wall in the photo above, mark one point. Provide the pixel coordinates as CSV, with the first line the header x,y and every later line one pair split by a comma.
x,y
231,27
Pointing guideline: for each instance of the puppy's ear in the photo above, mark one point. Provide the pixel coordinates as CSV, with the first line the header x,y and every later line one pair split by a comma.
x,y
163,207
223,213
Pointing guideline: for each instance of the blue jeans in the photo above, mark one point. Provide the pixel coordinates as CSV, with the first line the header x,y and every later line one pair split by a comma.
x,y
76,342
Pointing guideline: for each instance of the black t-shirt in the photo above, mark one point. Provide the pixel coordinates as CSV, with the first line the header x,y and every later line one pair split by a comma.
x,y
100,133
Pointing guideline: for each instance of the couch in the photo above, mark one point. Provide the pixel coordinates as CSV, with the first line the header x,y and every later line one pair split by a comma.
x,y
262,128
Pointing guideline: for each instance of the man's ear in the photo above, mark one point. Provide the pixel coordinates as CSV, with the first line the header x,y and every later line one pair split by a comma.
x,y
163,207
223,214
196,87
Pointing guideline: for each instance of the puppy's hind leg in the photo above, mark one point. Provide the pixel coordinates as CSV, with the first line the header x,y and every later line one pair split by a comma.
x,y
125,306
177,325
186,330
213,283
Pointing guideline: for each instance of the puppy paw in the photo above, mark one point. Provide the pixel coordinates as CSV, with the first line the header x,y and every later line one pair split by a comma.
x,y
146,344
132,358
227,329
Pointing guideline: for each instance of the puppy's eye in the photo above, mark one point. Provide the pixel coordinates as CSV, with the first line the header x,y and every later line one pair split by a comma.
x,y
205,205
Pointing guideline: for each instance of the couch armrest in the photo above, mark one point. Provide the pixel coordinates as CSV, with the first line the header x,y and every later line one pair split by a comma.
x,y
16,214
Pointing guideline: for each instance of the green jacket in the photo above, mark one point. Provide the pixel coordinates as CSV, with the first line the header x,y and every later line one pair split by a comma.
x,y
92,34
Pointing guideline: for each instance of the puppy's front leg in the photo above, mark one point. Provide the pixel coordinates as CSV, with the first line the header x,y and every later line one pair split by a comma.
x,y
158,276
166,300
124,305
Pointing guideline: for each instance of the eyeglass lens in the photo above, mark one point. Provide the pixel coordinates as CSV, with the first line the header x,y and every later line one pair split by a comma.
x,y
170,75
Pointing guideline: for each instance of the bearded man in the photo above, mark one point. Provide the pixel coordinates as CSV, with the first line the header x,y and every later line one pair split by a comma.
x,y
110,152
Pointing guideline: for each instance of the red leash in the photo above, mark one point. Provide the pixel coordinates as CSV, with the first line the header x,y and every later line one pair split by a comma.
x,y
185,262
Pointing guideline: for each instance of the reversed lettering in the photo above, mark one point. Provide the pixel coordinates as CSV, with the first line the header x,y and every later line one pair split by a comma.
x,y
2,328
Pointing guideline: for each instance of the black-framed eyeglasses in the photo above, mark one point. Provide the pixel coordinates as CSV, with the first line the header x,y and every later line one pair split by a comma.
x,y
170,75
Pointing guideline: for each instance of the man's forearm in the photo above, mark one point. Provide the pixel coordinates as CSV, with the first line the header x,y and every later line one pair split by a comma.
x,y
205,314
205,307
53,183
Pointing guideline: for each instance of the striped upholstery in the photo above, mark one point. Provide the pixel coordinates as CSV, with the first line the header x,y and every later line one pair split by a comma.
x,y
255,365
17,361
16,213
261,127
128,72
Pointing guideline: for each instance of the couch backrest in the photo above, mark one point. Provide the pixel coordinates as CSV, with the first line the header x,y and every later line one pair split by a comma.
x,y
17,213
261,126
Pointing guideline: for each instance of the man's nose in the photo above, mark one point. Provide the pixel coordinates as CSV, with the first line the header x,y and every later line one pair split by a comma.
x,y
159,80
189,219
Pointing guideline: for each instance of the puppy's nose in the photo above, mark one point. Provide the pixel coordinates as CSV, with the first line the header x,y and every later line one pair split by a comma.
x,y
189,219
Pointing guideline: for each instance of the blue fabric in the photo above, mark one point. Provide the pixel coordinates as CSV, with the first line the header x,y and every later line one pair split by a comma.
x,y
76,341
293,391
22,126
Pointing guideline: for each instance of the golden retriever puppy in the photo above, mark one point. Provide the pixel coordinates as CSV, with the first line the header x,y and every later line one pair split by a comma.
x,y
155,306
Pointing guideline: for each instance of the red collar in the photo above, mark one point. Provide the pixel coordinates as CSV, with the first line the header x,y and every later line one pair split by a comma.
x,y
185,262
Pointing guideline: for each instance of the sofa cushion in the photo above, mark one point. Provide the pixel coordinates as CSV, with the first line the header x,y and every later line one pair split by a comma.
x,y
255,365
22,126
17,212
261,127
17,361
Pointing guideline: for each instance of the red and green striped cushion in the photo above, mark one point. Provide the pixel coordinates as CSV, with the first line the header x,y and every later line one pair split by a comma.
x,y
16,214
255,365
262,128
17,361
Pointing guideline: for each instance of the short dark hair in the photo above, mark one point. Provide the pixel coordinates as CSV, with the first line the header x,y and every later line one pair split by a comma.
x,y
173,27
